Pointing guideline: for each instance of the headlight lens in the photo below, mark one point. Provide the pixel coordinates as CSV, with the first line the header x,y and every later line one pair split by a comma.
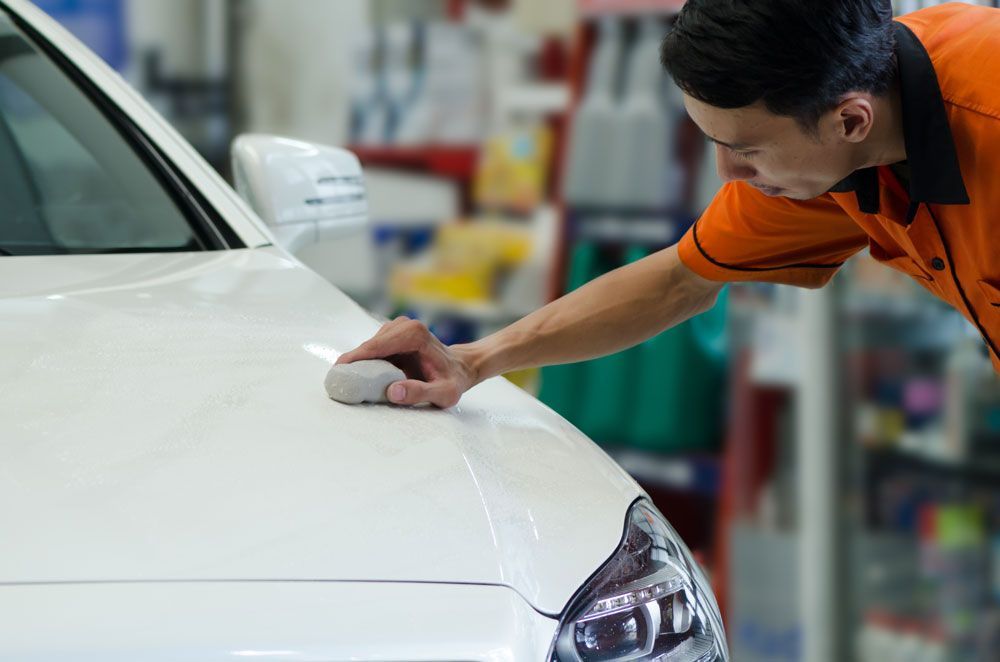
x,y
649,602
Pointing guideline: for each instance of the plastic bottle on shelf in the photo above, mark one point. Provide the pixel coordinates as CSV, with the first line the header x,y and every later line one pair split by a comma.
x,y
401,82
454,85
562,385
366,88
608,393
414,106
592,131
372,112
643,172
678,380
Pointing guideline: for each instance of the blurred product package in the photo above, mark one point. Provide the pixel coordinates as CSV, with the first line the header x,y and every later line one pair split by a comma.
x,y
514,169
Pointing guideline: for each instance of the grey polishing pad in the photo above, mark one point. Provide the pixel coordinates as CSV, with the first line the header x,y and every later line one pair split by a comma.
x,y
362,381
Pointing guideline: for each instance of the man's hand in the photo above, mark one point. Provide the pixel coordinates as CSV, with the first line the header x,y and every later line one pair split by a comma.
x,y
436,374
618,310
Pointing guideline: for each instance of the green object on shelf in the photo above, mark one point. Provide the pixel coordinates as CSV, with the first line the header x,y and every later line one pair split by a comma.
x,y
679,385
608,388
561,384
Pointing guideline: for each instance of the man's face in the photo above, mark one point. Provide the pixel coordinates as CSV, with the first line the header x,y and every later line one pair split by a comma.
x,y
773,153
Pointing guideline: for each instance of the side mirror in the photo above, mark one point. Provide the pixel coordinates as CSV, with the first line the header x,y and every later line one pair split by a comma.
x,y
306,194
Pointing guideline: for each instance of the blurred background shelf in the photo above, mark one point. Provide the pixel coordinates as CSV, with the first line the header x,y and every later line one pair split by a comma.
x,y
883,462
447,161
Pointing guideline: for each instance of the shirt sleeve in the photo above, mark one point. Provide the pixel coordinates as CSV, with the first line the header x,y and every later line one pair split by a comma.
x,y
745,235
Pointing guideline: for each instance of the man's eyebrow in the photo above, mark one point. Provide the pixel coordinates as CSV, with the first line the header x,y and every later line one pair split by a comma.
x,y
735,146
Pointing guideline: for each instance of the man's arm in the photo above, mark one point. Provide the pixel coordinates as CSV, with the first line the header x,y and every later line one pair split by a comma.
x,y
618,310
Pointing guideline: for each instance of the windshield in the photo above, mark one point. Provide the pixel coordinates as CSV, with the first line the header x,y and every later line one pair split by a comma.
x,y
69,181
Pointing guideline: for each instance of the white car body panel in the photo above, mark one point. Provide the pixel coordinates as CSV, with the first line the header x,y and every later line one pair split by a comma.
x,y
284,622
164,418
168,457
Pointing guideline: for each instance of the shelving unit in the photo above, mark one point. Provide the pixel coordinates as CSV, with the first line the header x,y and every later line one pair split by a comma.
x,y
574,224
457,163
880,462
685,484
500,90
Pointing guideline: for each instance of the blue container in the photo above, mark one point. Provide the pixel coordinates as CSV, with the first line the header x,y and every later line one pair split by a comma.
x,y
100,24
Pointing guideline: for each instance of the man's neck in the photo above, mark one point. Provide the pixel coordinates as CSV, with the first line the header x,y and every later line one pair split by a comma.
x,y
885,144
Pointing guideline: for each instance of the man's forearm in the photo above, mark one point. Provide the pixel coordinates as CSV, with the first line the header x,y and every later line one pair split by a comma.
x,y
616,311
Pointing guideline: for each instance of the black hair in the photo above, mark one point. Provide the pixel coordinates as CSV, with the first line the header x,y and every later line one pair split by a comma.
x,y
798,57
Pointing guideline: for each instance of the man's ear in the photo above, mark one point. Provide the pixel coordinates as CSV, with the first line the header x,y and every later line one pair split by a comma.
x,y
854,117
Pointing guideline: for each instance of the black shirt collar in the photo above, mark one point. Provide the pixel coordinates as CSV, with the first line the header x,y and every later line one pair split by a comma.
x,y
935,175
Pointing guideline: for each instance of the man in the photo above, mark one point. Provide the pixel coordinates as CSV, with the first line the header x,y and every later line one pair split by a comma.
x,y
836,128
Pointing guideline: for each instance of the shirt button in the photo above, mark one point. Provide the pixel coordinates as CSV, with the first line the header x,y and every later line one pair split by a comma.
x,y
938,264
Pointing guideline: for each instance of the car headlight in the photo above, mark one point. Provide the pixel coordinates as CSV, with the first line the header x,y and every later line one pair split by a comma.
x,y
650,601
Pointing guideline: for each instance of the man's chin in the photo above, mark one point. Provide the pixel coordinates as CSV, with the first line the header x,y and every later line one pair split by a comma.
x,y
791,194
771,191
802,195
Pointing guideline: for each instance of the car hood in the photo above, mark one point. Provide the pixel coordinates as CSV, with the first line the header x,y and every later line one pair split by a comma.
x,y
163,418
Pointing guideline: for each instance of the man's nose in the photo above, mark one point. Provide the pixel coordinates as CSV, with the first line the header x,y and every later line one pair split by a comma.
x,y
731,169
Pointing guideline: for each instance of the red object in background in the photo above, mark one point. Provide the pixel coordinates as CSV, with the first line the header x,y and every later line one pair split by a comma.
x,y
455,9
446,161
577,74
456,162
553,61
748,461
693,516
632,7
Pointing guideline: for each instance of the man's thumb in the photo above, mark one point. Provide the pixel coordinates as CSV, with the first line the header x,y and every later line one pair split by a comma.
x,y
415,392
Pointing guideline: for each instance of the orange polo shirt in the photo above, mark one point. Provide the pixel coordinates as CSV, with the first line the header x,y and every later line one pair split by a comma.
x,y
944,231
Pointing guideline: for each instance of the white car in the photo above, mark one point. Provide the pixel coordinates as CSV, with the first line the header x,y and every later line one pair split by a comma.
x,y
175,483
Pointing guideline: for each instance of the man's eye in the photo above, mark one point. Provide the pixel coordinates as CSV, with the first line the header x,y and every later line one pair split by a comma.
x,y
742,155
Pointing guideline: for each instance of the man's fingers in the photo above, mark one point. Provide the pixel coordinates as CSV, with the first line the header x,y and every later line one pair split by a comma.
x,y
401,336
442,393
391,325
367,350
359,354
411,346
